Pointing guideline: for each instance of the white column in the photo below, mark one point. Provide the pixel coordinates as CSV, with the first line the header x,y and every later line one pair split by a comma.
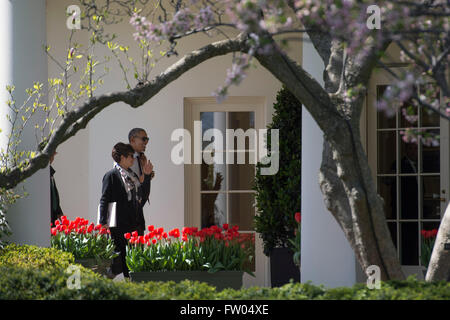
x,y
6,39
22,61
327,257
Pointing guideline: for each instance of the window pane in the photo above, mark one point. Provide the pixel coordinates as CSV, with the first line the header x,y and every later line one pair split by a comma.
x,y
241,172
430,118
213,177
242,210
431,196
241,120
245,135
408,157
386,141
384,122
214,210
409,243
213,120
408,116
431,157
242,176
409,197
393,230
387,188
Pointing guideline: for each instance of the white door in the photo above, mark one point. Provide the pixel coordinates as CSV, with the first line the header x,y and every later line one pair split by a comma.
x,y
221,192
413,179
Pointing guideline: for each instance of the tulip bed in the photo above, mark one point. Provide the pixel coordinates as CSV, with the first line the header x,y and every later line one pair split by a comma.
x,y
83,239
30,272
210,249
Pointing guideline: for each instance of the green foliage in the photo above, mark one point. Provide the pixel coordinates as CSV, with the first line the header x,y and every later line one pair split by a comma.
x,y
30,272
278,196
7,198
211,252
27,256
84,246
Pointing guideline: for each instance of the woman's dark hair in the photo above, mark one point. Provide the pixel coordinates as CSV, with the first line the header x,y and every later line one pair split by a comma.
x,y
121,149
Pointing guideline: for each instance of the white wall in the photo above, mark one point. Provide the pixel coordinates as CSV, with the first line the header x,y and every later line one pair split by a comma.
x,y
83,160
22,61
327,257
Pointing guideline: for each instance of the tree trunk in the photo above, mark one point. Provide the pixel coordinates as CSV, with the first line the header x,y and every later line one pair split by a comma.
x,y
352,198
439,266
348,188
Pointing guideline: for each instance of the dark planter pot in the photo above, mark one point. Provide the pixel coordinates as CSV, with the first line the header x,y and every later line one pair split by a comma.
x,y
98,266
282,267
220,279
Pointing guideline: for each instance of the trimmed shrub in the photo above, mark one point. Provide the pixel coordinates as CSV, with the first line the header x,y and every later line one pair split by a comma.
x,y
23,278
27,256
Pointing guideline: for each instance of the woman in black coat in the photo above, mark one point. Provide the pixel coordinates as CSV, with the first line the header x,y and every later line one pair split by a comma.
x,y
123,186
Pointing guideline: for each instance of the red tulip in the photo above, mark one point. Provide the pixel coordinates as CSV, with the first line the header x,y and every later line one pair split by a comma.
x,y
151,228
134,234
298,217
175,233
127,235
225,226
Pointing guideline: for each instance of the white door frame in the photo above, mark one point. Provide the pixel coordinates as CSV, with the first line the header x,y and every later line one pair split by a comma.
x,y
192,108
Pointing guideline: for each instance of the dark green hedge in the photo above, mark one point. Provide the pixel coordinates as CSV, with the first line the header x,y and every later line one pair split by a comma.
x,y
22,278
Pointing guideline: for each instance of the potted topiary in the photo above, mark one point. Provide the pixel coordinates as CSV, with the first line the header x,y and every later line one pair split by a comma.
x,y
278,196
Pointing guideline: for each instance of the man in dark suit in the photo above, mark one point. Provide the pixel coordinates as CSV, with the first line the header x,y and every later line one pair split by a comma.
x,y
55,208
138,139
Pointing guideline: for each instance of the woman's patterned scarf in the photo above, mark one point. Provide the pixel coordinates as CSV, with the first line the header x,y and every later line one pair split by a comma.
x,y
131,182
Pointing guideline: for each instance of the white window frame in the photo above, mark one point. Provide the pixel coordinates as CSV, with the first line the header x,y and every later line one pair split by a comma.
x,y
381,77
192,172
